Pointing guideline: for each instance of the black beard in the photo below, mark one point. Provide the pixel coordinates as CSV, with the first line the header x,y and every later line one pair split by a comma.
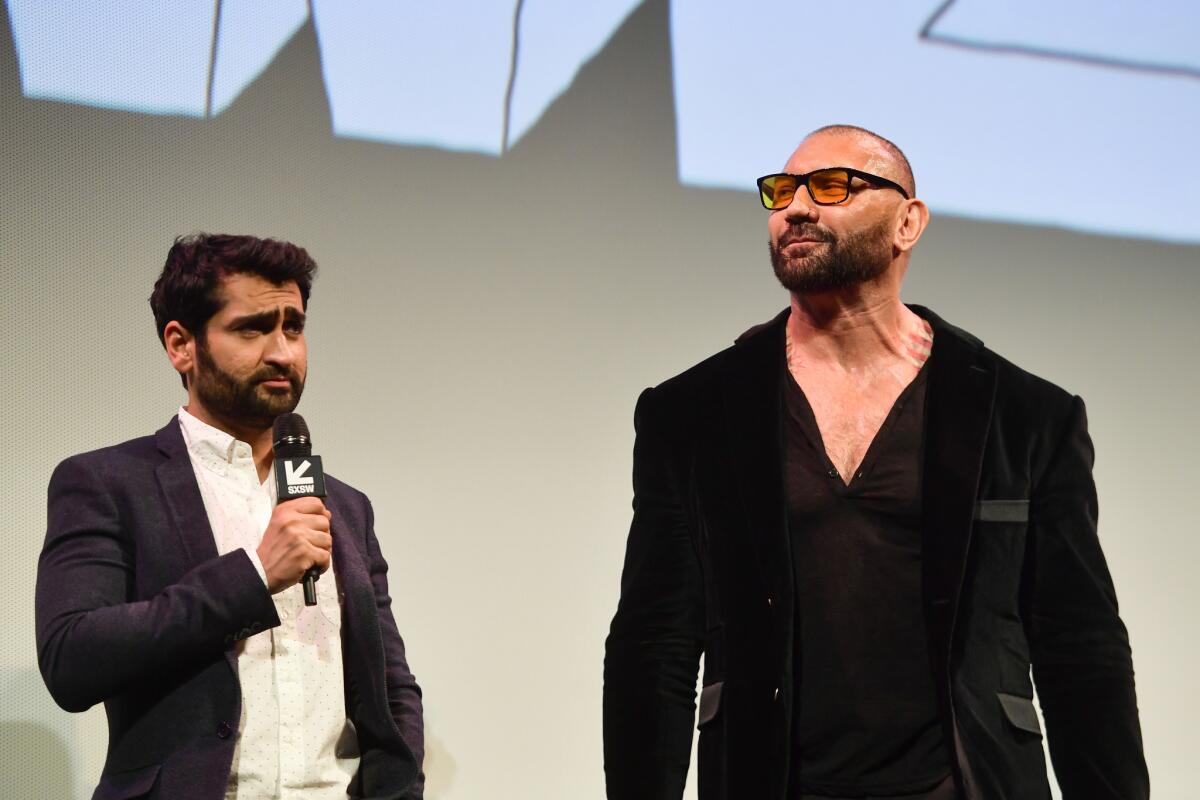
x,y
860,257
241,401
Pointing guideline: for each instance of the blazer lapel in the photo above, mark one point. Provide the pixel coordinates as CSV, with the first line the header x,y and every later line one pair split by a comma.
x,y
959,401
182,495
752,409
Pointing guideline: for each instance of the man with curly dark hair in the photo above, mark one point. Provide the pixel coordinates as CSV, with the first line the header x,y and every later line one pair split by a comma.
x,y
169,584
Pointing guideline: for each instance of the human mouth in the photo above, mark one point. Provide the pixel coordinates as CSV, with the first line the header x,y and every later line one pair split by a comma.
x,y
800,242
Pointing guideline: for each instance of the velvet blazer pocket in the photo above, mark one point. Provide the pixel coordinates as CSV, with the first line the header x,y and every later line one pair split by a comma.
x,y
128,784
1020,712
710,703
1002,511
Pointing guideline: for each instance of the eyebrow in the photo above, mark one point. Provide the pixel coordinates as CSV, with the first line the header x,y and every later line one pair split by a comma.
x,y
267,319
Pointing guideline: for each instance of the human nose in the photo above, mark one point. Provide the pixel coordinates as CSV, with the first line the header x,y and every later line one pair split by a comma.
x,y
281,350
801,206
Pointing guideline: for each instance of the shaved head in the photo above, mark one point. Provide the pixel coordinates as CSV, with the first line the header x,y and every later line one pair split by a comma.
x,y
818,248
892,155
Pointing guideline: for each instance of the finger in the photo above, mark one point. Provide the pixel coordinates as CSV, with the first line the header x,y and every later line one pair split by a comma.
x,y
304,505
320,559
316,522
320,540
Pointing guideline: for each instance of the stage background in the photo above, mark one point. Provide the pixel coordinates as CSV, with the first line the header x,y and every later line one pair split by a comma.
x,y
479,332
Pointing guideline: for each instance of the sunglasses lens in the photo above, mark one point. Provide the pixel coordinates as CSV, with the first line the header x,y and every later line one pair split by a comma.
x,y
829,185
777,191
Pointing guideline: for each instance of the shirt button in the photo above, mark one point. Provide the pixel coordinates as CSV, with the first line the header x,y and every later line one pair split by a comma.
x,y
833,473
224,731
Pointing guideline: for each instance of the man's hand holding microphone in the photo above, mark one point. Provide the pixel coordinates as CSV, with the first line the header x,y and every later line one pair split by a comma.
x,y
297,539
297,545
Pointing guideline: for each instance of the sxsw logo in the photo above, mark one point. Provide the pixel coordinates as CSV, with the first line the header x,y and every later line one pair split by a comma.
x,y
300,477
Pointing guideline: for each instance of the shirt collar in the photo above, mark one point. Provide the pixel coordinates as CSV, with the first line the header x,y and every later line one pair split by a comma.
x,y
214,448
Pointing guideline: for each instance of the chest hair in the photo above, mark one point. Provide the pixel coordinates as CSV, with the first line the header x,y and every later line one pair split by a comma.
x,y
850,409
850,406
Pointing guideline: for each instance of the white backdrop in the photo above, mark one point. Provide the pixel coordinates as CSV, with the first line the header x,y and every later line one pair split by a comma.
x,y
479,333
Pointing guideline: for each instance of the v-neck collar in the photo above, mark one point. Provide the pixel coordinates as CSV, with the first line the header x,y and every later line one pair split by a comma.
x,y
959,394
812,430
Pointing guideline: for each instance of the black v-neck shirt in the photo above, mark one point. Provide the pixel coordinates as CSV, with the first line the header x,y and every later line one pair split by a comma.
x,y
867,720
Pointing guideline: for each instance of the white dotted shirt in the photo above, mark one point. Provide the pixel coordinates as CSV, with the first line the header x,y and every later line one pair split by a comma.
x,y
294,740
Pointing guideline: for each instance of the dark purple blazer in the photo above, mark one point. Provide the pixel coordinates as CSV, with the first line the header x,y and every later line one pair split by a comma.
x,y
135,609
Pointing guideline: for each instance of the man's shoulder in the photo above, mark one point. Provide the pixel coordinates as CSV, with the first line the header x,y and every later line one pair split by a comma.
x,y
335,487
121,458
1017,389
351,505
1018,381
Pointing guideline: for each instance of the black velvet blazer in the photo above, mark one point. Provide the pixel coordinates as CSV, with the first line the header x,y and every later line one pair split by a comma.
x,y
135,609
1012,577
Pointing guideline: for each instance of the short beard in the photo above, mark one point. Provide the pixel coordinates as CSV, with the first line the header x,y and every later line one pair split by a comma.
x,y
862,256
240,402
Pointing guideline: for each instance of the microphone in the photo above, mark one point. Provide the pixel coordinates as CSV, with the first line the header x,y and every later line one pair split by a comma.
x,y
298,473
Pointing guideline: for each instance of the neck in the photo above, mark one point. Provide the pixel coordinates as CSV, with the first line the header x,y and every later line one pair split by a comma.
x,y
258,437
852,329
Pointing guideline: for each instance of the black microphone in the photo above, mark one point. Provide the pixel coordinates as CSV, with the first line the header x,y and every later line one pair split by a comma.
x,y
298,473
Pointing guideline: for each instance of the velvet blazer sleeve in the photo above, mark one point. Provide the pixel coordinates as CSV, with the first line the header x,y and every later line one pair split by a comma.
x,y
97,635
1080,650
653,649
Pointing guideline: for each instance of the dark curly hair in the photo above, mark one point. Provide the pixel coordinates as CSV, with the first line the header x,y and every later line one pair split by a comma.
x,y
186,291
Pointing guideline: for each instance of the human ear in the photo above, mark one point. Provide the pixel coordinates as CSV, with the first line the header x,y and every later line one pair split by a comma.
x,y
913,220
181,347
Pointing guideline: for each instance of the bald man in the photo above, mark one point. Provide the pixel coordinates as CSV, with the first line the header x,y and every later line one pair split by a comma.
x,y
872,527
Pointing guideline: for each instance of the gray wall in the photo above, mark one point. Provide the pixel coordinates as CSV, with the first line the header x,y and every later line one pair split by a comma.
x,y
478,336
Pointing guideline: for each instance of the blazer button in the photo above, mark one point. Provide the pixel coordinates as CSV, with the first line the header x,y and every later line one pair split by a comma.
x,y
223,730
770,601
776,697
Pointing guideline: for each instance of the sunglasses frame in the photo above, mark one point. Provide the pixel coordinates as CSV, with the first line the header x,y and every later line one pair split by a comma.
x,y
802,180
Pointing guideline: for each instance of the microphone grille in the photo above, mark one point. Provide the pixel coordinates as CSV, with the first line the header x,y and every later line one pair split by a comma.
x,y
290,436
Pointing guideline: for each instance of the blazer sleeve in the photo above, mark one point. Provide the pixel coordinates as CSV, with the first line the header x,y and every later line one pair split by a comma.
x,y
653,648
1082,663
94,639
403,693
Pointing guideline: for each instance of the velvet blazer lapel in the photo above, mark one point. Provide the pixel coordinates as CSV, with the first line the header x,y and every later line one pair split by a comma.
x,y
752,399
958,414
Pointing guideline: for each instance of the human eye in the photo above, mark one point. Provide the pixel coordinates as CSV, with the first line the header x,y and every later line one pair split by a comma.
x,y
829,182
293,323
